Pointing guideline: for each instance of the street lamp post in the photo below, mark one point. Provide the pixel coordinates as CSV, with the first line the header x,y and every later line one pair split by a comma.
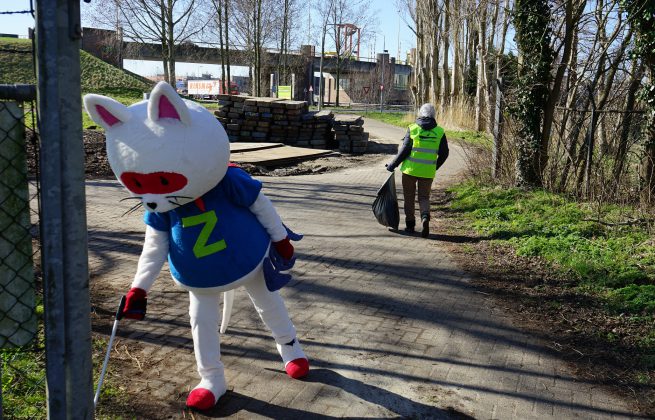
x,y
382,60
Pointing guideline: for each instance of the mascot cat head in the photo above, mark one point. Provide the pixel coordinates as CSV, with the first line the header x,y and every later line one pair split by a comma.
x,y
166,151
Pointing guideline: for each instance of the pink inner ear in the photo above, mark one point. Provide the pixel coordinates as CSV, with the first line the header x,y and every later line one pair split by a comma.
x,y
166,108
107,116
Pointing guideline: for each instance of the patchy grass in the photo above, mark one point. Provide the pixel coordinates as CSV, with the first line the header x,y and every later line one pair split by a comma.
x,y
24,380
471,137
580,276
399,119
97,76
24,383
404,119
612,260
16,61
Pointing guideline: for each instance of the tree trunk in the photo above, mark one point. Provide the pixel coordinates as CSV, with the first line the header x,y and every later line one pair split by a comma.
x,y
457,72
445,91
647,175
219,22
482,53
532,23
171,43
283,38
227,45
164,40
572,16
434,65
490,86
321,83
258,48
568,124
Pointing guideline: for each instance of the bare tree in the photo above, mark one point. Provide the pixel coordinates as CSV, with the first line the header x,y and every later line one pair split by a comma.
x,y
165,22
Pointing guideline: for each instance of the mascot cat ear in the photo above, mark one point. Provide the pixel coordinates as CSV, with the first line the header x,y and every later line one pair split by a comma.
x,y
164,102
105,111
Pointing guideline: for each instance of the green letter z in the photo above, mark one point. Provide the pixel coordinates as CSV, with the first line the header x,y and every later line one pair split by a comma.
x,y
201,249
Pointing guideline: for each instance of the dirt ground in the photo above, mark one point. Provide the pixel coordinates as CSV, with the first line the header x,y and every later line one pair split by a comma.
x,y
97,166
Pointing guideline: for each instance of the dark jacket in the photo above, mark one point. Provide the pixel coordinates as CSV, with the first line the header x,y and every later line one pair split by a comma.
x,y
406,148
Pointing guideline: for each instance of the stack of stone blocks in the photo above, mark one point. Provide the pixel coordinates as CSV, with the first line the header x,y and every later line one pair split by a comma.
x,y
349,133
250,119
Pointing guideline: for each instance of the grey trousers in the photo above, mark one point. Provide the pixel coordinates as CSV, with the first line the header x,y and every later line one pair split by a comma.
x,y
409,192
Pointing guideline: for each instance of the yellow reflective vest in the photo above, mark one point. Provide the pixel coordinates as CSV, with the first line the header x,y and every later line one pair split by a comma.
x,y
422,162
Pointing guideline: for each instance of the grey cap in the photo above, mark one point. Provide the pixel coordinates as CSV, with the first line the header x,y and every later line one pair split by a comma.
x,y
427,110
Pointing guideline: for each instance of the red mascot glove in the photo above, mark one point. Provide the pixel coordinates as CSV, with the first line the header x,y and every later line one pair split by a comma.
x,y
135,304
284,248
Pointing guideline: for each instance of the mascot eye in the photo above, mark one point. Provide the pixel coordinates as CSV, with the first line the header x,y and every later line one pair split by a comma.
x,y
164,181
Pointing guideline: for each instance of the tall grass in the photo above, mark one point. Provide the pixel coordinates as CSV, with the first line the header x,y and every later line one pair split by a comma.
x,y
458,116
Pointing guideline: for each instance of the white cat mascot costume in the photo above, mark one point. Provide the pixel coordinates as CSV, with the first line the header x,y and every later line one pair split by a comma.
x,y
208,217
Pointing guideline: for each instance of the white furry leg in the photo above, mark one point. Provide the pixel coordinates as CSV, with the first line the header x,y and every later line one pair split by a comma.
x,y
273,312
204,314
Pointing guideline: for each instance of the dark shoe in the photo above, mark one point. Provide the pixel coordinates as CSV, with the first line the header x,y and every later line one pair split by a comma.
x,y
409,226
425,220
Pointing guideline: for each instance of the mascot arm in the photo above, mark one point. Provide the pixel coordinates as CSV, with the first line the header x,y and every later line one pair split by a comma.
x,y
263,209
153,256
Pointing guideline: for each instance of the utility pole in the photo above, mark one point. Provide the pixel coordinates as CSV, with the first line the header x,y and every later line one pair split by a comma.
x,y
382,62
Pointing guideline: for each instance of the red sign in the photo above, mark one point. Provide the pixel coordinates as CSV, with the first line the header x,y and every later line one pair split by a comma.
x,y
381,87
311,88
366,89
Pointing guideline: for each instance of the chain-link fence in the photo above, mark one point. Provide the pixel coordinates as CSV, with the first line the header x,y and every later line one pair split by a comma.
x,y
21,324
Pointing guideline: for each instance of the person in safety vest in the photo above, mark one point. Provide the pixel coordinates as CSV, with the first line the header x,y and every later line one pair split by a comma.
x,y
422,153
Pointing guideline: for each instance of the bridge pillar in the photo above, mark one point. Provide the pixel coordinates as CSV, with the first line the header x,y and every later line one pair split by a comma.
x,y
105,44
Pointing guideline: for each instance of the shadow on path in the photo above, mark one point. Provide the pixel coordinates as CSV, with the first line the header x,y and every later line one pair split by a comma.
x,y
232,402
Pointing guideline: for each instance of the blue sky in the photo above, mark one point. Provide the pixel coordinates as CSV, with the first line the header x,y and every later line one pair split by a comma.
x,y
391,32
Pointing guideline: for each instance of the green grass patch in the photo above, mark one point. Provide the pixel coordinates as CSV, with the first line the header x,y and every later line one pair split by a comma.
x,y
399,119
404,119
24,381
616,262
97,76
472,137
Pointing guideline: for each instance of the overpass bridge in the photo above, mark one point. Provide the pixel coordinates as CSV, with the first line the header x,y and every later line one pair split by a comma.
x,y
360,79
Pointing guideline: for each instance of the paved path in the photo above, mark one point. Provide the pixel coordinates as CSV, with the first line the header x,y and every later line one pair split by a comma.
x,y
391,325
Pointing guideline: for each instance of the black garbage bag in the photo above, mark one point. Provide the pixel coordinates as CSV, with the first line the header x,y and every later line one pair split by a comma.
x,y
385,206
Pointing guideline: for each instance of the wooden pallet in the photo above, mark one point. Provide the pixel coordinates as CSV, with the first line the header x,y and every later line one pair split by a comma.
x,y
278,156
237,147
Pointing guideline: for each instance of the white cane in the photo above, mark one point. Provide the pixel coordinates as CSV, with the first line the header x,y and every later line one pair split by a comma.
x,y
119,315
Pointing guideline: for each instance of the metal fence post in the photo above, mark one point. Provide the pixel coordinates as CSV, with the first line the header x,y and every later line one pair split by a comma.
x,y
63,212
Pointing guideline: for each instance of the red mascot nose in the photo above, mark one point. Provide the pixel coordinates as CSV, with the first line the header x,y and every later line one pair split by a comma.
x,y
154,182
